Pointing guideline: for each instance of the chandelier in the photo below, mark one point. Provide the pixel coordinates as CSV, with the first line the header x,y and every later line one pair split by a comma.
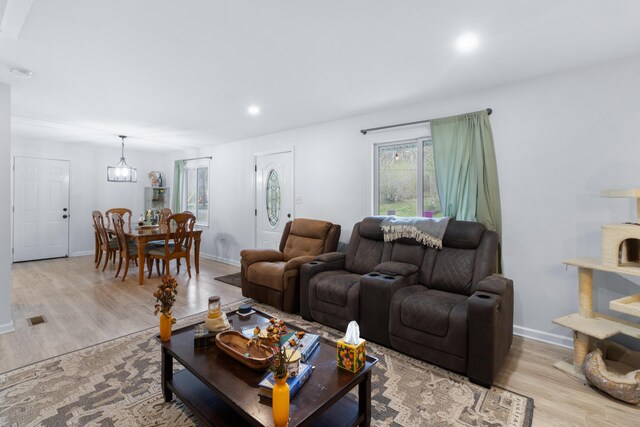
x,y
122,172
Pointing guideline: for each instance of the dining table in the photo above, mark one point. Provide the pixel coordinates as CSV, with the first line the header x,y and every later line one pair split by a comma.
x,y
147,233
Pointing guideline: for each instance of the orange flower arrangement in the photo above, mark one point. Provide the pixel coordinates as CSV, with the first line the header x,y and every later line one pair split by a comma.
x,y
274,341
166,296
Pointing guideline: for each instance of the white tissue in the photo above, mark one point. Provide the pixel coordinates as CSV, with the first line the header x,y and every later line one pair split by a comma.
x,y
353,334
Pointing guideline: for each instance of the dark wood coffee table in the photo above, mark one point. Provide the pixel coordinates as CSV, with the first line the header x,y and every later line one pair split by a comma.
x,y
223,392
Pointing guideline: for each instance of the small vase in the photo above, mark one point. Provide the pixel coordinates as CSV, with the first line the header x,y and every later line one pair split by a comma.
x,y
165,327
280,403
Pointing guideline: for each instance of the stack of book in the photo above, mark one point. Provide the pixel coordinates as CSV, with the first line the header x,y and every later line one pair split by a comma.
x,y
308,344
265,388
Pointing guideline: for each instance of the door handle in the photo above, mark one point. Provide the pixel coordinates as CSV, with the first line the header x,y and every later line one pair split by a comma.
x,y
289,215
65,216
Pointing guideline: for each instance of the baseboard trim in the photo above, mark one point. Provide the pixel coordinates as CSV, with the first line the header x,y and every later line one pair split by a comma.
x,y
82,253
546,337
6,328
220,259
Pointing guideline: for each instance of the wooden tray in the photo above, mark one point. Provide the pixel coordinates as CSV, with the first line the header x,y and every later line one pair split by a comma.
x,y
234,344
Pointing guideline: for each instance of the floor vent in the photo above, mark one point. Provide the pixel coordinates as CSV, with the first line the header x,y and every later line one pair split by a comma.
x,y
36,320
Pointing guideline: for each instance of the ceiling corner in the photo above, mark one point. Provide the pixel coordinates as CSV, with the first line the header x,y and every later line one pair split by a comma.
x,y
13,14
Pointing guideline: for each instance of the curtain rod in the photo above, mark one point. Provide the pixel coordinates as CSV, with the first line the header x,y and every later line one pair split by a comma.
x,y
364,131
197,158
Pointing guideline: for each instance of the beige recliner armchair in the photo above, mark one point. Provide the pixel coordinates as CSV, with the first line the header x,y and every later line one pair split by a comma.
x,y
272,276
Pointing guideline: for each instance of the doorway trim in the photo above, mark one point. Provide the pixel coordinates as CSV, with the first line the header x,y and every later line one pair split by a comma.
x,y
255,186
13,202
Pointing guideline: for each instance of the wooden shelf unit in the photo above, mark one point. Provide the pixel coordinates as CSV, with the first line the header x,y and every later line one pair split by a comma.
x,y
588,324
620,255
627,305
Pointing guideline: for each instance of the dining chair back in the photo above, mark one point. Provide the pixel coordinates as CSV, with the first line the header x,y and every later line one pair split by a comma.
x,y
177,243
128,251
106,244
123,212
164,214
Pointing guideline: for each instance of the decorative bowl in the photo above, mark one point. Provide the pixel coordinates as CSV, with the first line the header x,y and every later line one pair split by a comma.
x,y
234,344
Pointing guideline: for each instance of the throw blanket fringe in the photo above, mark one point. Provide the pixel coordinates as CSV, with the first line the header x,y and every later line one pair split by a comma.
x,y
428,231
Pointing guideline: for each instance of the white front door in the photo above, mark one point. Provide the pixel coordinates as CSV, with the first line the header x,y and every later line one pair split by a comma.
x,y
274,197
41,209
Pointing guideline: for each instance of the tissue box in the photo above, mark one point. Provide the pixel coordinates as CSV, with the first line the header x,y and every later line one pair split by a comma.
x,y
352,357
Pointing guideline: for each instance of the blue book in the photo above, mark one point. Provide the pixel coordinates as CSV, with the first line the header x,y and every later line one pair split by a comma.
x,y
265,388
309,343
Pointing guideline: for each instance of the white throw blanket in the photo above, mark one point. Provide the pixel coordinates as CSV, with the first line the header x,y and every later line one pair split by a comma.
x,y
428,231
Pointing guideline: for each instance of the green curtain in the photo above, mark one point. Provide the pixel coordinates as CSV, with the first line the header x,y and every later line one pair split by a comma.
x,y
178,178
466,170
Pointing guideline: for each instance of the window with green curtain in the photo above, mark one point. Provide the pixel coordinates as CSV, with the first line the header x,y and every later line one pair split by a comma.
x,y
466,169
191,189
450,171
405,179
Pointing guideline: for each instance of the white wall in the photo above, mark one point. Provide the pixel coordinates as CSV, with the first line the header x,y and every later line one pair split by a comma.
x,y
6,324
89,189
560,140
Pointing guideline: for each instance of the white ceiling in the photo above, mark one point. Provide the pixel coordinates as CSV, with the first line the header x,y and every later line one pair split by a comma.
x,y
180,74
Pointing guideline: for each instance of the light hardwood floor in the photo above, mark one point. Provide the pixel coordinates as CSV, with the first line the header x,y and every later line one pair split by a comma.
x,y
85,306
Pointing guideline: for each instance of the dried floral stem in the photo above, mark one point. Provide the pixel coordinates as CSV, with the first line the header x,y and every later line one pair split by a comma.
x,y
274,341
166,296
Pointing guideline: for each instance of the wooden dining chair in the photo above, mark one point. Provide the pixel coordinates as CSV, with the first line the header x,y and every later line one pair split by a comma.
x,y
164,214
107,245
128,250
98,251
123,212
176,247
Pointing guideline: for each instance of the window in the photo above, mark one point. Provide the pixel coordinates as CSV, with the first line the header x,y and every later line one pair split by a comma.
x,y
405,179
273,198
196,190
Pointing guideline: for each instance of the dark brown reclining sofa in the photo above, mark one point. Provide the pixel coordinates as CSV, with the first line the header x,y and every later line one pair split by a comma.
x,y
443,306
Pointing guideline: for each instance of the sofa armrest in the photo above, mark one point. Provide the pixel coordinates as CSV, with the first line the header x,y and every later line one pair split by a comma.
x,y
324,262
251,256
489,328
296,263
396,268
495,284
332,257
376,291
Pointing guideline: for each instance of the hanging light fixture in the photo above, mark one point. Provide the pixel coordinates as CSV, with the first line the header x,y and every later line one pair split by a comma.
x,y
122,172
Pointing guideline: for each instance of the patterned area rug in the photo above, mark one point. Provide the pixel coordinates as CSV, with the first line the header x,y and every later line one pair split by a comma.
x,y
230,279
117,383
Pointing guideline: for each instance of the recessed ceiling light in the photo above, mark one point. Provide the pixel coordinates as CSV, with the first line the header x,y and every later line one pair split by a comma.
x,y
21,72
254,110
467,42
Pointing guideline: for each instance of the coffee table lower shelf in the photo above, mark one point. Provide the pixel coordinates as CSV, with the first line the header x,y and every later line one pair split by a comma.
x,y
213,411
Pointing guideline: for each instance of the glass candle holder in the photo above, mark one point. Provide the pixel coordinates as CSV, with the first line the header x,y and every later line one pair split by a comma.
x,y
214,307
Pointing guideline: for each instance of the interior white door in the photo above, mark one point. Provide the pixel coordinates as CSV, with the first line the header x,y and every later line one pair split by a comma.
x,y
274,197
41,209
